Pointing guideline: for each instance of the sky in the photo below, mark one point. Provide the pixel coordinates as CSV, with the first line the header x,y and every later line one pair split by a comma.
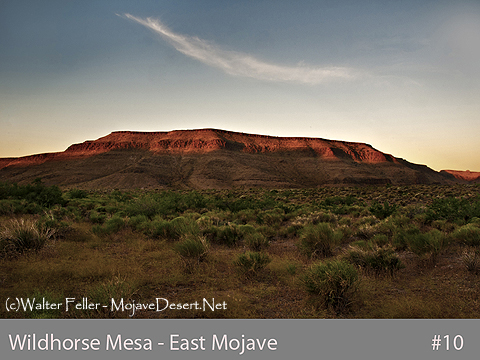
x,y
402,76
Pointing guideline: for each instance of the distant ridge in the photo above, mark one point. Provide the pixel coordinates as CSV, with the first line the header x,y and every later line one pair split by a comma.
x,y
212,158
467,175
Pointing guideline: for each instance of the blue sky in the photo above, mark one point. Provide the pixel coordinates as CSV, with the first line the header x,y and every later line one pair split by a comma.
x,y
402,76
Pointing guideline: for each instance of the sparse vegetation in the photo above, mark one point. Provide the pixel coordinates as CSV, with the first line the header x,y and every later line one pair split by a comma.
x,y
372,243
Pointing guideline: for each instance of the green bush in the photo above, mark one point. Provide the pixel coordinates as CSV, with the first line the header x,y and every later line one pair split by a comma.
x,y
138,222
468,234
458,210
430,244
112,225
96,217
252,262
402,235
36,192
376,259
319,240
192,247
77,194
382,211
256,241
380,240
227,235
335,281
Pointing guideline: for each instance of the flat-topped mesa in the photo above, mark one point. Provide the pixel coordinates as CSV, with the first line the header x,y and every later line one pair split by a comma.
x,y
207,140
215,159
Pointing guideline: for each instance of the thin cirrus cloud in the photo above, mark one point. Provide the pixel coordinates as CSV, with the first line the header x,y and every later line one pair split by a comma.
x,y
241,64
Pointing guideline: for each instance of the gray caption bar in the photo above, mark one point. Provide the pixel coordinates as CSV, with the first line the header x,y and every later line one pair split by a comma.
x,y
239,339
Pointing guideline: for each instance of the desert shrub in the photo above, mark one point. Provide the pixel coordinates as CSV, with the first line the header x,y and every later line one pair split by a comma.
x,y
147,205
167,203
77,194
112,225
292,268
380,240
159,228
173,229
193,249
246,229
319,240
256,241
468,234
339,200
443,225
379,260
204,222
96,217
14,206
227,235
363,244
382,211
430,244
246,216
471,260
366,231
458,210
182,225
51,221
137,222
314,218
267,231
23,235
402,234
251,263
335,281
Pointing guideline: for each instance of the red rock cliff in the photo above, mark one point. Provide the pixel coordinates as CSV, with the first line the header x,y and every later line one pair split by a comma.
x,y
207,140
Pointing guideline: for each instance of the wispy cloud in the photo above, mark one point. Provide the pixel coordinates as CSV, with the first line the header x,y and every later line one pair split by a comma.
x,y
241,64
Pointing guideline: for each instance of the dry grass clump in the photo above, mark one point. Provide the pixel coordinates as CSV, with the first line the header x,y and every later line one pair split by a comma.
x,y
250,263
335,281
471,260
378,260
319,240
193,249
21,235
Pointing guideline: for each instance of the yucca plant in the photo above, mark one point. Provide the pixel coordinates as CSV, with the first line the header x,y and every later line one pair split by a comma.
x,y
23,235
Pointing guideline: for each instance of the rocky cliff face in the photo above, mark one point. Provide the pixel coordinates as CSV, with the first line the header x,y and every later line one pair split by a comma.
x,y
218,159
205,141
